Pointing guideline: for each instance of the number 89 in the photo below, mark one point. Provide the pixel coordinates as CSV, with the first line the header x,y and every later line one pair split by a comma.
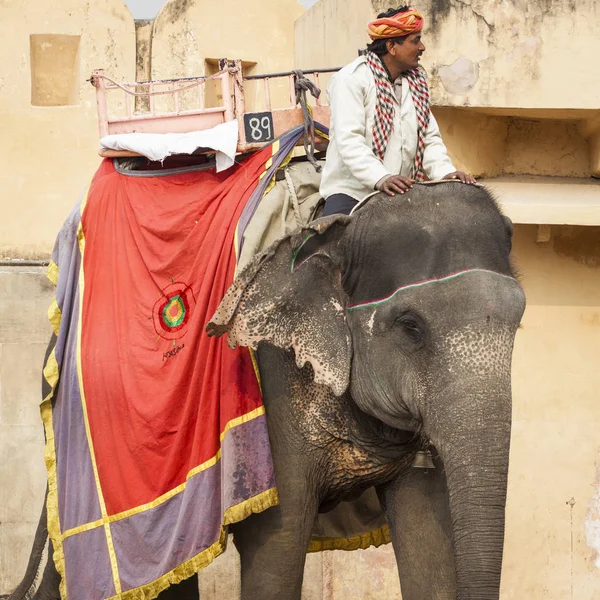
x,y
259,127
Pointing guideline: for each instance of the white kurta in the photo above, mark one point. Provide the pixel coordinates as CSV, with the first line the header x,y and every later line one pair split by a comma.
x,y
351,166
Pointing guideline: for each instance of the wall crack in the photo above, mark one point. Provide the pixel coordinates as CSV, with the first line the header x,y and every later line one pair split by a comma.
x,y
481,17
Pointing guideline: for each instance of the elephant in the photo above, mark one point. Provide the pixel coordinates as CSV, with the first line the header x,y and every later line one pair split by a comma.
x,y
379,336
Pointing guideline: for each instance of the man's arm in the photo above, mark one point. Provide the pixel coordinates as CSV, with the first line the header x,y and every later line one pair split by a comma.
x,y
348,124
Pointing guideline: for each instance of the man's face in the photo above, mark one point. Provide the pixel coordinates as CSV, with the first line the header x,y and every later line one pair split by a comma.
x,y
406,55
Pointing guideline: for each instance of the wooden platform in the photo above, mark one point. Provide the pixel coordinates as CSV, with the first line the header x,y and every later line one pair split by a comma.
x,y
140,113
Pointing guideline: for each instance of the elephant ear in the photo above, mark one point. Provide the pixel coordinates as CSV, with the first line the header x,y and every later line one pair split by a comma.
x,y
291,296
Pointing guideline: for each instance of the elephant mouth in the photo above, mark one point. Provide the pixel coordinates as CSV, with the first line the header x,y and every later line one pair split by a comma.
x,y
386,438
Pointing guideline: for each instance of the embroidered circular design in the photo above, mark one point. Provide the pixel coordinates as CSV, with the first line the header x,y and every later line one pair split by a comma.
x,y
171,312
174,312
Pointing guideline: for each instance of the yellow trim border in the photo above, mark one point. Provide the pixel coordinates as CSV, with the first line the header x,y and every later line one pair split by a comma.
x,y
52,272
360,542
211,462
51,374
54,316
109,540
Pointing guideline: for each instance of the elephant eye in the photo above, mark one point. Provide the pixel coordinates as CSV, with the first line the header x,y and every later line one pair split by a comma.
x,y
412,327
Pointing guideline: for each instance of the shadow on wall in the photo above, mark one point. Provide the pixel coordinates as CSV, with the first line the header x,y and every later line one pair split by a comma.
x,y
563,271
579,243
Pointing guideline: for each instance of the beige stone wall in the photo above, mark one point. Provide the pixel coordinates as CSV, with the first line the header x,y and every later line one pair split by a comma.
x,y
143,63
488,144
49,150
516,53
512,53
188,33
551,548
476,142
331,32
25,295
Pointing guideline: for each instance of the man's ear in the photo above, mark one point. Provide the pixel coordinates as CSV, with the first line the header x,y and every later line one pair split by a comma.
x,y
291,296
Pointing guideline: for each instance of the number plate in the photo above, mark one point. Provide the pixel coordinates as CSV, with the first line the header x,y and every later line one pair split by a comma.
x,y
259,127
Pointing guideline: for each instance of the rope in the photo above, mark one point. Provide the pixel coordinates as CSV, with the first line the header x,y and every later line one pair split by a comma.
x,y
201,80
302,85
294,198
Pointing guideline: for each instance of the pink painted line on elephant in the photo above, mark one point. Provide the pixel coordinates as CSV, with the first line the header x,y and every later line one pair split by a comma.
x,y
417,284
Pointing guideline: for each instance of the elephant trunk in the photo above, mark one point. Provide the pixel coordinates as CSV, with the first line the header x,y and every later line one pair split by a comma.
x,y
474,444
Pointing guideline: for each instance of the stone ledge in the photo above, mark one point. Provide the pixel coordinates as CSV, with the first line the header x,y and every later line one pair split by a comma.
x,y
547,200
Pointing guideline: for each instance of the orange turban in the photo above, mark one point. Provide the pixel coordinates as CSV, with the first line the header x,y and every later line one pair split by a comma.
x,y
399,25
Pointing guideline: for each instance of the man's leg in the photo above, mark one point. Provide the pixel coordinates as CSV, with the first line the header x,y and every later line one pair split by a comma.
x,y
338,204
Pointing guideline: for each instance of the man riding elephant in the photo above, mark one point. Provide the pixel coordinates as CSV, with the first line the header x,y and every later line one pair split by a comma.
x,y
378,336
383,135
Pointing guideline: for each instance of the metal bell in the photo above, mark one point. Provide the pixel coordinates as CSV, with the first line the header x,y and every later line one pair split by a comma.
x,y
423,460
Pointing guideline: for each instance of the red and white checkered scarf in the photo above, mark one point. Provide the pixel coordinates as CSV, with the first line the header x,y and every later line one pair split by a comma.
x,y
384,113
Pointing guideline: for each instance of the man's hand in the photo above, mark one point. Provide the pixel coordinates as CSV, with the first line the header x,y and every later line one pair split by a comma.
x,y
395,184
460,175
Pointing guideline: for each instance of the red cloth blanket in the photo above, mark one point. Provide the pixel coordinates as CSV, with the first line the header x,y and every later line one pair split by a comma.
x,y
156,433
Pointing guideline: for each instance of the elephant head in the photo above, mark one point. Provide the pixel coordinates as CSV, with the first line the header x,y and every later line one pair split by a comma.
x,y
412,306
